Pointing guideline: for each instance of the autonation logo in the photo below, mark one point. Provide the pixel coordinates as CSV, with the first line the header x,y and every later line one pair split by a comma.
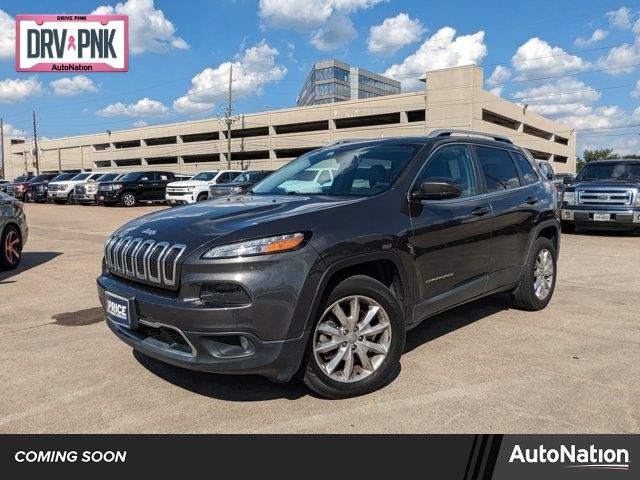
x,y
574,457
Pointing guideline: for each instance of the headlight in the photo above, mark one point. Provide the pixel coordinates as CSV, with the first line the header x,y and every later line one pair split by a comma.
x,y
40,188
116,186
260,246
64,186
569,197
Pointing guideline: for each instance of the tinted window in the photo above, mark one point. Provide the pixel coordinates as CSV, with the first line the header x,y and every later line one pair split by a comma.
x,y
163,176
107,177
204,176
452,163
64,176
498,169
610,171
526,169
130,177
81,176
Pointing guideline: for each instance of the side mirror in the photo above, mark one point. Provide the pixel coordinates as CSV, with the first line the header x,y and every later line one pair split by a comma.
x,y
437,190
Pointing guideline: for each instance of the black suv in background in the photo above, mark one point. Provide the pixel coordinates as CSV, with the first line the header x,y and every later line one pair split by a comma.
x,y
36,188
134,187
325,279
604,195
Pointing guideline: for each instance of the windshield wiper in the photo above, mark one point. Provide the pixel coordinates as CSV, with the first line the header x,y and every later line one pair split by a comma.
x,y
504,185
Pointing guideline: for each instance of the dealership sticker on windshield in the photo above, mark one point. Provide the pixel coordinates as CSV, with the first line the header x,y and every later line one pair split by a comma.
x,y
76,43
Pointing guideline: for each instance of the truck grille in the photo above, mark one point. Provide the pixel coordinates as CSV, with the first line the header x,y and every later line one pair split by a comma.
x,y
53,188
11,190
605,197
79,190
146,260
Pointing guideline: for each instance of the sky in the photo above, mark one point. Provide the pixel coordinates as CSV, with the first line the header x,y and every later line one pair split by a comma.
x,y
577,62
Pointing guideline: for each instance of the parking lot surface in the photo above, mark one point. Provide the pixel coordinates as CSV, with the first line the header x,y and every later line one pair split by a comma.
x,y
483,367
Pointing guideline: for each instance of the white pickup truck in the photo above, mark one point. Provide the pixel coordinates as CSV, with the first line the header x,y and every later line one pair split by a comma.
x,y
196,189
62,192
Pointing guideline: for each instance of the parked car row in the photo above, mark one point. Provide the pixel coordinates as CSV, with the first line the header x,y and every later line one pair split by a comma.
x,y
128,189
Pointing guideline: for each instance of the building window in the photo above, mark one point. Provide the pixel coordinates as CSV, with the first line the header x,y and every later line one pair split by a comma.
x,y
370,82
332,88
332,73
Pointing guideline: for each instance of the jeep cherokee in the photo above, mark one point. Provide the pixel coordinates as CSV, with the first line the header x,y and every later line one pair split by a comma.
x,y
325,282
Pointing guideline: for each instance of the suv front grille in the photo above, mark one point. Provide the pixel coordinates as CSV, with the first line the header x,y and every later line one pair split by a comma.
x,y
607,196
174,339
146,260
79,190
11,190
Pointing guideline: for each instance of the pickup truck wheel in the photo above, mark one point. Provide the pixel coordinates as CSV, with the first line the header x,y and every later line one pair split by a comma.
x,y
538,279
70,198
357,341
202,197
10,248
568,227
128,199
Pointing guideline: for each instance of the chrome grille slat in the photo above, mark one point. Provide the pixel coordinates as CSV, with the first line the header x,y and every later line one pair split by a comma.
x,y
143,260
605,196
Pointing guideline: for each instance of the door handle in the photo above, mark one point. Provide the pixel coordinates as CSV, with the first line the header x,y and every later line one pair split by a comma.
x,y
532,200
480,211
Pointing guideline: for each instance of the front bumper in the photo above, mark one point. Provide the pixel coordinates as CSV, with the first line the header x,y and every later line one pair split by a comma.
x,y
180,199
85,198
265,337
39,195
58,195
589,217
107,196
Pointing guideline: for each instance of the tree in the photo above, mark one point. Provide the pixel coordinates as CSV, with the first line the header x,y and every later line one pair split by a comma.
x,y
594,156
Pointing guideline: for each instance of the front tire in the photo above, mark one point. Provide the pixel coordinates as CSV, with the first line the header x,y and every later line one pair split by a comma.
x,y
128,199
10,248
202,197
357,340
538,280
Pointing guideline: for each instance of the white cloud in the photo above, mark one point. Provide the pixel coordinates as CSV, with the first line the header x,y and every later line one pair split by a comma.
x,y
394,33
144,107
337,31
251,71
140,123
564,97
327,21
620,18
621,59
536,58
500,74
443,49
11,131
602,118
16,90
635,93
597,36
70,86
149,29
7,35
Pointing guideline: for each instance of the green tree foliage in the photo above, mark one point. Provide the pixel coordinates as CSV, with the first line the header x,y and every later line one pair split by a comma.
x,y
594,156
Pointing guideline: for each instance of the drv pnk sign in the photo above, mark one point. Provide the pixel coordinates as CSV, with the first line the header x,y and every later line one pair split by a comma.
x,y
80,43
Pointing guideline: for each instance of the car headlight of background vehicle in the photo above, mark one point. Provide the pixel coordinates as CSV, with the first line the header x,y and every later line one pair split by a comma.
x,y
569,198
41,188
64,186
260,246
116,186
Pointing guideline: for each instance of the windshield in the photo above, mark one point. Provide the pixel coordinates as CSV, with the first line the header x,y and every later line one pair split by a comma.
x,y
107,177
39,178
353,170
64,176
204,176
81,176
249,177
21,178
610,171
130,177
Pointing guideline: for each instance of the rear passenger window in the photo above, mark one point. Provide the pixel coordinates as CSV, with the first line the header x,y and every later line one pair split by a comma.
x,y
498,169
526,169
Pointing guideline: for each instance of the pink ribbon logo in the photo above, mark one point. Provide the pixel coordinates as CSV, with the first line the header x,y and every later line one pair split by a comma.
x,y
72,43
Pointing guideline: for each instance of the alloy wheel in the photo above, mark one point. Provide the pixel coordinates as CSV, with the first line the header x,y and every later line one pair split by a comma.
x,y
12,247
128,199
352,339
543,274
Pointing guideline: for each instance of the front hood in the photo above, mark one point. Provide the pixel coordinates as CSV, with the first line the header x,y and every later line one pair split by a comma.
x,y
199,223
604,184
187,183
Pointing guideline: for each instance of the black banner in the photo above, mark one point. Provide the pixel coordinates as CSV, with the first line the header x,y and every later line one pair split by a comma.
x,y
464,457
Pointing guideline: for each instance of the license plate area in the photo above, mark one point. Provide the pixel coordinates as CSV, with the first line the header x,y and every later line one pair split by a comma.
x,y
601,217
120,310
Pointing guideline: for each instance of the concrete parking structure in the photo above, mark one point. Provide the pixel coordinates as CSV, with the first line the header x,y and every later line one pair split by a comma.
x,y
575,367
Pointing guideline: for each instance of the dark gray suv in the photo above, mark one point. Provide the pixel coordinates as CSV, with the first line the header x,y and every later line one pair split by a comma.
x,y
322,275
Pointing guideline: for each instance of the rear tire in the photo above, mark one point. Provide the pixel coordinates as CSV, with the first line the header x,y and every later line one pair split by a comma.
x,y
568,227
538,280
10,248
353,352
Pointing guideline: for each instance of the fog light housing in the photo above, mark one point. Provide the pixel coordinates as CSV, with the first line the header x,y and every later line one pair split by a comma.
x,y
224,295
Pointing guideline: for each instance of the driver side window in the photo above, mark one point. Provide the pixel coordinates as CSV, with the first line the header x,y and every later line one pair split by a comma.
x,y
453,164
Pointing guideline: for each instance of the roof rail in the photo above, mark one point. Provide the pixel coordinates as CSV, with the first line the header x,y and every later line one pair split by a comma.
x,y
343,141
447,132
